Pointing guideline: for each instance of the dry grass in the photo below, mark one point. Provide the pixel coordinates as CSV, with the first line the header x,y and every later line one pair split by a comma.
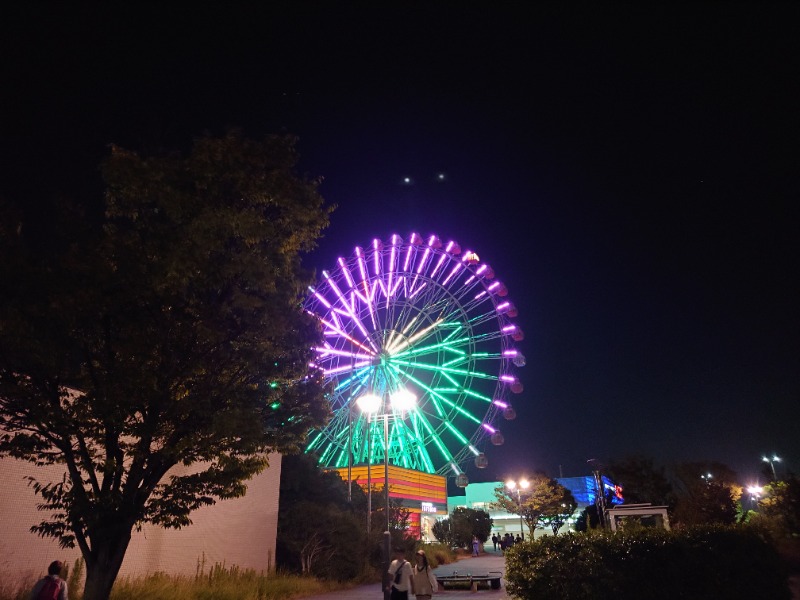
x,y
220,584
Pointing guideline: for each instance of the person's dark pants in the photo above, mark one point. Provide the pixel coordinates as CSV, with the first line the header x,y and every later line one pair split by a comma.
x,y
398,595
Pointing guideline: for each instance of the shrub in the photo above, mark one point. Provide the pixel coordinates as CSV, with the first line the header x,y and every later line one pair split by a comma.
x,y
701,562
438,554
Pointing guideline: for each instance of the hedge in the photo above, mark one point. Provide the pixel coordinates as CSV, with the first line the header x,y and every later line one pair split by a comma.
x,y
712,563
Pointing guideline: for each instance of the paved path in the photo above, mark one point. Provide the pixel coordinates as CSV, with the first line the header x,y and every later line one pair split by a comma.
x,y
490,561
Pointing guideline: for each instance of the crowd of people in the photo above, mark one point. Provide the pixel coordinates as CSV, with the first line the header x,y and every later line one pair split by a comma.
x,y
505,541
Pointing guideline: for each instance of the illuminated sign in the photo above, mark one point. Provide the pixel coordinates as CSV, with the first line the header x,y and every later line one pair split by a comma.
x,y
428,507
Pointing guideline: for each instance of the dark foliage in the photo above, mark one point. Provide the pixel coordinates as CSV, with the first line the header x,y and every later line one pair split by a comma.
x,y
727,563
158,326
320,532
462,525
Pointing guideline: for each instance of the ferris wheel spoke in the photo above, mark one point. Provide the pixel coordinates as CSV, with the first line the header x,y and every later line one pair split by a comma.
x,y
443,399
449,346
420,335
434,436
441,369
347,308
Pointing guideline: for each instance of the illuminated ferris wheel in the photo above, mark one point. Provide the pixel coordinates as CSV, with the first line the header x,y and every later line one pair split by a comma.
x,y
418,320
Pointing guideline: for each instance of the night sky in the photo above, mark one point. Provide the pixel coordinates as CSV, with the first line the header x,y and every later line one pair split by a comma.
x,y
632,175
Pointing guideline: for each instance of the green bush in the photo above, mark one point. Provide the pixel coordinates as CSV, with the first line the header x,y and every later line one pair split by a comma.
x,y
438,554
723,563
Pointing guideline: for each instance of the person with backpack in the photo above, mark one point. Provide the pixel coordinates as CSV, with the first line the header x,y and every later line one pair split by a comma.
x,y
51,587
400,573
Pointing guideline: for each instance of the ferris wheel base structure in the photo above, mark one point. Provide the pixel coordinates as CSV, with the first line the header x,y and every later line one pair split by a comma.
x,y
423,334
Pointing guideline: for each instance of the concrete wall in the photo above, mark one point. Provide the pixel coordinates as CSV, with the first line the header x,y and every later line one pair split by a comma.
x,y
239,532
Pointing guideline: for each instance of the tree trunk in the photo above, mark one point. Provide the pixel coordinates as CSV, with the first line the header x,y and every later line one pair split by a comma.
x,y
102,566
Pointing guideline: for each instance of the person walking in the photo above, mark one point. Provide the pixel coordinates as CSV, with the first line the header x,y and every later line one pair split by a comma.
x,y
476,545
423,582
400,573
51,587
494,541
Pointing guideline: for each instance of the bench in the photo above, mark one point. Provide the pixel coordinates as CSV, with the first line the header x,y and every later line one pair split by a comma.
x,y
471,579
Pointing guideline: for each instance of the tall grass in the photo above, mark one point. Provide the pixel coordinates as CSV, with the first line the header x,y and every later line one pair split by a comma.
x,y
220,583
19,587
438,554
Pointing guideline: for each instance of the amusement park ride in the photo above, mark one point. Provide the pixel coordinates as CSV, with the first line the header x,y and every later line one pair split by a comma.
x,y
414,318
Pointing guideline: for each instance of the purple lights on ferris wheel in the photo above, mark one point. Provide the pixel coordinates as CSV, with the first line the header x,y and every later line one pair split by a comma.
x,y
421,315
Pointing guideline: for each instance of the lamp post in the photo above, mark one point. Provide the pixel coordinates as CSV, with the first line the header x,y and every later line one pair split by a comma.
x,y
369,405
772,462
518,486
400,401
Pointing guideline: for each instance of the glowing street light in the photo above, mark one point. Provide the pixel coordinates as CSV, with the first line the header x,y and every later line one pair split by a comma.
x,y
522,484
755,492
772,462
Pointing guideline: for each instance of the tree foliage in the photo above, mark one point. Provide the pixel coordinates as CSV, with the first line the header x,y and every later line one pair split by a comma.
x,y
545,503
462,525
642,481
706,500
159,327
694,563
779,507
320,532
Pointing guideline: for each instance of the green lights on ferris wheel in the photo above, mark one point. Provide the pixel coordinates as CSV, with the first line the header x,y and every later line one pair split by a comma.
x,y
415,316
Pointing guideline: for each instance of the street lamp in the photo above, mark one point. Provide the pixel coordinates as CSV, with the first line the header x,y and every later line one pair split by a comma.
x,y
401,401
369,404
707,478
518,486
772,462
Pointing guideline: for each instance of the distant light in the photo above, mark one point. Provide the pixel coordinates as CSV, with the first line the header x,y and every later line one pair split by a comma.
x,y
755,489
440,177
406,180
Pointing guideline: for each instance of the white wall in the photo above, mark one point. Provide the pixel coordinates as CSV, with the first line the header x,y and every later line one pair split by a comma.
x,y
238,532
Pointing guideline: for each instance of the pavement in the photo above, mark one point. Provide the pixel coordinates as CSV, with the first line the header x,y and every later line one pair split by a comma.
x,y
482,564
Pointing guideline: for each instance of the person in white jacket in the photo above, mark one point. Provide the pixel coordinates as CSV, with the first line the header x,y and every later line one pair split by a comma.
x,y
400,573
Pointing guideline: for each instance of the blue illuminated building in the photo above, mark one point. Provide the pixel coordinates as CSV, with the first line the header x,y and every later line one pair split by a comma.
x,y
480,496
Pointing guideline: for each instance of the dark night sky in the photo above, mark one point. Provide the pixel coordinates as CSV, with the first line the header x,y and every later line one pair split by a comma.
x,y
631,175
